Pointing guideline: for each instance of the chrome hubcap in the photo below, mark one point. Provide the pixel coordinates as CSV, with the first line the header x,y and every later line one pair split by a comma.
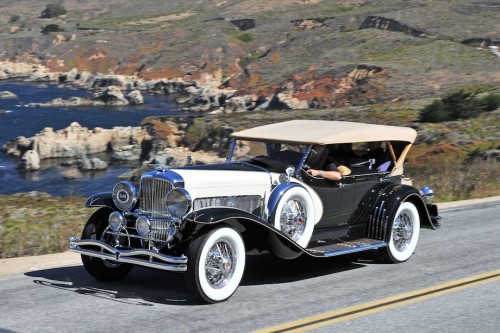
x,y
220,264
293,218
402,231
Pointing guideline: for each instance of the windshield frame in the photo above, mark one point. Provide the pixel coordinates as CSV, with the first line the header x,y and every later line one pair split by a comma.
x,y
304,152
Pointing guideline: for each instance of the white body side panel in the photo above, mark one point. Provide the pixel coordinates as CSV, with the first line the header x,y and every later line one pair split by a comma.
x,y
224,183
215,183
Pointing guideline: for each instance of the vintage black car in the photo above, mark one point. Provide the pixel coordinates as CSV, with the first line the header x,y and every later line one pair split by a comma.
x,y
271,194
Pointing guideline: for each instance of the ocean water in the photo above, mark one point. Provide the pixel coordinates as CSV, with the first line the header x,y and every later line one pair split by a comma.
x,y
16,119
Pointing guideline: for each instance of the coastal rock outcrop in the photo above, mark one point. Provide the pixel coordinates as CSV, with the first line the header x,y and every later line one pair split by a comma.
x,y
209,93
389,24
87,164
29,161
110,96
7,95
74,141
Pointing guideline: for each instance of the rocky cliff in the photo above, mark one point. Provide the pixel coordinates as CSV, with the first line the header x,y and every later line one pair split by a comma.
x,y
76,141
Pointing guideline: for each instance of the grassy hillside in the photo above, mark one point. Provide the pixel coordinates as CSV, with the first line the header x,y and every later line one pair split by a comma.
x,y
179,38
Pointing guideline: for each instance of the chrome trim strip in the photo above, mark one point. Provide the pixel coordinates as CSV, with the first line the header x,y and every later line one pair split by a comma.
x,y
247,203
356,249
164,262
252,166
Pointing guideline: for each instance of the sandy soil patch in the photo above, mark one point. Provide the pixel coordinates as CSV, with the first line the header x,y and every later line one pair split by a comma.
x,y
161,19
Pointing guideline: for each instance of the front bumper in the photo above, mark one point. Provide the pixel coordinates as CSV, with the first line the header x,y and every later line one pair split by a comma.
x,y
141,257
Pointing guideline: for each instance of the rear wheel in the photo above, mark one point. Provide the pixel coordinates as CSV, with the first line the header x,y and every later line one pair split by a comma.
x,y
102,269
404,235
216,264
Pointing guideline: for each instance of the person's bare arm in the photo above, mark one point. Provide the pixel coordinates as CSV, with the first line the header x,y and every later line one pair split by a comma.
x,y
332,175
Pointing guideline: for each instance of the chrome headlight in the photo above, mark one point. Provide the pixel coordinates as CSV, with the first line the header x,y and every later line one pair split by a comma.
x,y
124,195
427,193
142,225
178,202
116,221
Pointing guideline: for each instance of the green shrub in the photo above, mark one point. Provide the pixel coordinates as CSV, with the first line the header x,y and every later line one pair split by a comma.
x,y
53,10
246,37
463,104
435,112
491,102
51,28
14,18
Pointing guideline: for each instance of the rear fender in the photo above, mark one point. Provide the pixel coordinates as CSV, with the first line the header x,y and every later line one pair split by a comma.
x,y
385,208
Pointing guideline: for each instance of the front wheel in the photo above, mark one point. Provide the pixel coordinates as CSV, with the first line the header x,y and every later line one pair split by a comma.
x,y
102,269
404,235
216,264
295,215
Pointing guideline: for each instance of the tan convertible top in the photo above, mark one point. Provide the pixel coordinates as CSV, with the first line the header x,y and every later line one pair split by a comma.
x,y
326,132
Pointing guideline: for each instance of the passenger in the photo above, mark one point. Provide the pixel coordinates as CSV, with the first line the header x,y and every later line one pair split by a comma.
x,y
343,153
376,152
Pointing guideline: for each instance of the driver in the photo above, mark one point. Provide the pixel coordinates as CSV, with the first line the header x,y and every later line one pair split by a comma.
x,y
331,171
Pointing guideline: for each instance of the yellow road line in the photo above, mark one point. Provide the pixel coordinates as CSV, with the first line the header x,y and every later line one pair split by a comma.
x,y
382,304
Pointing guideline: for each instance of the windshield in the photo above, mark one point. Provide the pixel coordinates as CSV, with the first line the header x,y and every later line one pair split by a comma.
x,y
272,156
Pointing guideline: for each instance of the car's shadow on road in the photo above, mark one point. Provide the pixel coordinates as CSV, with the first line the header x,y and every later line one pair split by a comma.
x,y
146,287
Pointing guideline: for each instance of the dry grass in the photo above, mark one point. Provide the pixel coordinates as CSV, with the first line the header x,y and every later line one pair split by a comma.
x,y
37,223
452,181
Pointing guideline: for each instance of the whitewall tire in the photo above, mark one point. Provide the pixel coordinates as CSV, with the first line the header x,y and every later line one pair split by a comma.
x,y
216,262
294,215
404,235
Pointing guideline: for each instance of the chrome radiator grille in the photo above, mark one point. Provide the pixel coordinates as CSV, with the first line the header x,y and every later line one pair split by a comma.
x,y
159,230
153,195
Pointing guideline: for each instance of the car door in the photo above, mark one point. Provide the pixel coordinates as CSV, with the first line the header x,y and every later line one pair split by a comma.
x,y
363,183
337,196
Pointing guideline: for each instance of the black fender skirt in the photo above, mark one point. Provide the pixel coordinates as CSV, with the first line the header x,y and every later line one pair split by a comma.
x,y
247,224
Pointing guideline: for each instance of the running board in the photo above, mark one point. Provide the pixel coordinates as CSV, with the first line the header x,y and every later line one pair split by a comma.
x,y
358,245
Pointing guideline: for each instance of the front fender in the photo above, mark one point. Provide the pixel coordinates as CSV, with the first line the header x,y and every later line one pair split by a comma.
x,y
103,199
213,215
275,197
249,225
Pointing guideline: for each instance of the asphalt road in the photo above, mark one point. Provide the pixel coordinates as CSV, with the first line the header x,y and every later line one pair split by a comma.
x,y
429,293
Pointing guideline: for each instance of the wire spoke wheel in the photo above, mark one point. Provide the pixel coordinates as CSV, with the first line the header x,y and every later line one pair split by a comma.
x,y
216,261
404,234
293,218
402,231
295,215
220,264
